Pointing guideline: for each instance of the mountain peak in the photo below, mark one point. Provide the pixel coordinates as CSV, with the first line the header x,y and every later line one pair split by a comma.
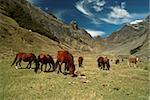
x,y
136,21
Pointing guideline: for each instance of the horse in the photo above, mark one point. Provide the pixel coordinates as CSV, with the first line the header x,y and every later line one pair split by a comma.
x,y
80,61
102,61
133,60
45,59
26,57
67,58
117,61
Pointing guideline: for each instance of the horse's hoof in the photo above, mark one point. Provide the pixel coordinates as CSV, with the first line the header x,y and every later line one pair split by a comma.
x,y
65,73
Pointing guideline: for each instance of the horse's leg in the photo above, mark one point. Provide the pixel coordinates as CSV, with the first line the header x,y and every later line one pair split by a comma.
x,y
135,65
42,67
128,64
60,67
16,64
20,63
59,70
65,69
100,66
103,66
30,65
56,65
49,66
108,66
14,61
45,67
27,65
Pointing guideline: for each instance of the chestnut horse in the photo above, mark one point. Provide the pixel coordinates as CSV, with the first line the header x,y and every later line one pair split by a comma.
x,y
133,60
45,59
67,58
26,57
80,61
102,61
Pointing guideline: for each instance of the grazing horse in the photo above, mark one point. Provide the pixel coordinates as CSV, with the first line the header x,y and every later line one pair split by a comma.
x,y
80,61
102,61
45,59
26,57
67,58
117,61
133,60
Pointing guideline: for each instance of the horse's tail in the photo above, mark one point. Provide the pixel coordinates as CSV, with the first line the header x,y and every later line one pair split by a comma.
x,y
56,65
14,61
36,65
53,64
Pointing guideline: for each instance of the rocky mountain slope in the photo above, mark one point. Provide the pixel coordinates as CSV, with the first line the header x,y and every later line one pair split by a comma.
x,y
32,18
131,39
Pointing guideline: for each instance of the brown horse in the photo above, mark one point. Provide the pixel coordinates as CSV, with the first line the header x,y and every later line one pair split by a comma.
x,y
67,58
133,60
80,61
117,61
45,59
102,61
26,57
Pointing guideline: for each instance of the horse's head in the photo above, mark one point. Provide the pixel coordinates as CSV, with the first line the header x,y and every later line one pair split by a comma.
x,y
71,68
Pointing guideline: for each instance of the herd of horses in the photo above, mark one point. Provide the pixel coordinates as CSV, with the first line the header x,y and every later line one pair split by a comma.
x,y
62,57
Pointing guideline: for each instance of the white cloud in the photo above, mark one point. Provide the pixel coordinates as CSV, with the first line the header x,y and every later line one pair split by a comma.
x,y
94,33
118,15
85,7
98,5
117,21
97,8
123,4
81,6
119,12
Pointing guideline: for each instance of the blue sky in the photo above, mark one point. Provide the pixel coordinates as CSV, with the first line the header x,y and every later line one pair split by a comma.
x,y
98,17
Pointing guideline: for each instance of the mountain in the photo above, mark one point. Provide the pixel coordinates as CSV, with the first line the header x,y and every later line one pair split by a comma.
x,y
132,38
34,19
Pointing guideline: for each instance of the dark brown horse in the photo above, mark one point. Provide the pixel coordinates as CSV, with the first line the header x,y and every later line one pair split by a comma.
x,y
133,60
102,61
26,57
117,61
67,58
80,61
45,59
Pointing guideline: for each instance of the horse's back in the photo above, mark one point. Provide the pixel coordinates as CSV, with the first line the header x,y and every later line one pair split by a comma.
x,y
63,55
132,59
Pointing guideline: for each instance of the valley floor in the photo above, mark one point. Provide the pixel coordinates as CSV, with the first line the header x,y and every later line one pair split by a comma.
x,y
120,83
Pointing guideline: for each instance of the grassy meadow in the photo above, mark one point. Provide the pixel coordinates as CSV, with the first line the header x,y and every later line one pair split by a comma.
x,y
120,83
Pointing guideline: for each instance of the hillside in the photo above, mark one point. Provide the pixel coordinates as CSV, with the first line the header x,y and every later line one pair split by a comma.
x,y
32,18
131,39
17,39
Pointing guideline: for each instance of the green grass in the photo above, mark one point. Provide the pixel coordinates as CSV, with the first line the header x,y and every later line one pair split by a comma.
x,y
120,83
